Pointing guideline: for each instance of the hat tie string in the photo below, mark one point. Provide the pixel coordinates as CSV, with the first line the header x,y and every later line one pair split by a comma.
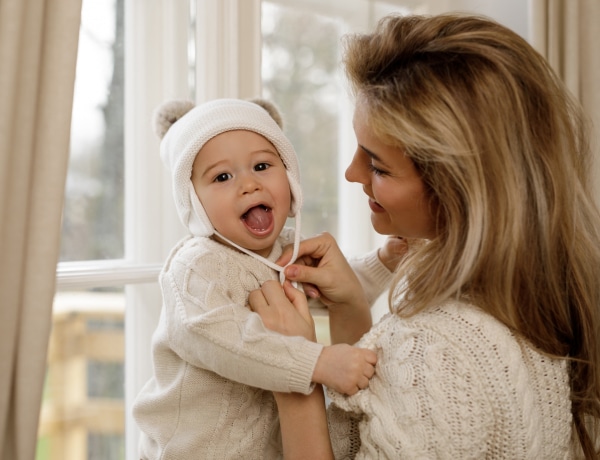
x,y
266,261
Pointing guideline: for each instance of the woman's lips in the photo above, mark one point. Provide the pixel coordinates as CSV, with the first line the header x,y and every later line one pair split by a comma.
x,y
375,207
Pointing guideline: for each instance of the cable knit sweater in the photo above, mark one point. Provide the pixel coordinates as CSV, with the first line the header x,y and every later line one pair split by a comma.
x,y
454,383
215,364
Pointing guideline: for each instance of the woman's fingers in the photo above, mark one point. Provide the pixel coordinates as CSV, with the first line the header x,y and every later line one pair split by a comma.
x,y
309,249
393,251
258,303
321,268
298,300
273,293
312,278
256,300
284,310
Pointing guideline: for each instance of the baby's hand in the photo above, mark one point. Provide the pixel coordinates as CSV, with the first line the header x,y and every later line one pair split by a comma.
x,y
345,368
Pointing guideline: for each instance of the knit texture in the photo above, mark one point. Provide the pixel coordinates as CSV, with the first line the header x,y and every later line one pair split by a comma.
x,y
215,364
187,136
373,276
454,383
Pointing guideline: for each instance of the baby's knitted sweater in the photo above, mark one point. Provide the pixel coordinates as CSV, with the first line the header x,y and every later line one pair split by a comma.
x,y
215,364
454,383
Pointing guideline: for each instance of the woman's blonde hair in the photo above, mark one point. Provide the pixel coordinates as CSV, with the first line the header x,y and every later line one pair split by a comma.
x,y
502,149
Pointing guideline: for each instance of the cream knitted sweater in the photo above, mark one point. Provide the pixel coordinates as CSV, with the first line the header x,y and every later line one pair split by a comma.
x,y
454,383
215,364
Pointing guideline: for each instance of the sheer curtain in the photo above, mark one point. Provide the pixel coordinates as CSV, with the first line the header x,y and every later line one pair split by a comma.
x,y
566,32
38,48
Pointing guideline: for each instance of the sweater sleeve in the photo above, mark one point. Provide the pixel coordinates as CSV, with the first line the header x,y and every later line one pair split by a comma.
x,y
209,328
373,276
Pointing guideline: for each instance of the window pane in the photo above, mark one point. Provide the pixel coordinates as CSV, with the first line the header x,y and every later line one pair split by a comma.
x,y
93,210
83,415
105,447
300,74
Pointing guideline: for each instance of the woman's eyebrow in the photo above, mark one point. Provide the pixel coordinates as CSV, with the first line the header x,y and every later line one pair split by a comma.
x,y
372,155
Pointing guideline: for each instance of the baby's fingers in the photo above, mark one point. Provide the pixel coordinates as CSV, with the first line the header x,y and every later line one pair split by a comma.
x,y
370,356
368,367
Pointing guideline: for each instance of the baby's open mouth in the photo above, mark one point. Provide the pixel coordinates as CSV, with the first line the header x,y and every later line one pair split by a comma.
x,y
258,219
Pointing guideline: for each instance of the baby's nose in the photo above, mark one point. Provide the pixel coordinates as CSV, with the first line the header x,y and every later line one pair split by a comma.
x,y
249,184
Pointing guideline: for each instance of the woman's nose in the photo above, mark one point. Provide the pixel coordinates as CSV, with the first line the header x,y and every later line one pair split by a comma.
x,y
355,172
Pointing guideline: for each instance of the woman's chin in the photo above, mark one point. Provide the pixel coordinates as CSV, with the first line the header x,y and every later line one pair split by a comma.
x,y
383,228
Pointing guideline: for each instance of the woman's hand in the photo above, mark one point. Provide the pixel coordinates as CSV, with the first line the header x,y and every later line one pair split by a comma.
x,y
283,309
326,274
393,251
324,271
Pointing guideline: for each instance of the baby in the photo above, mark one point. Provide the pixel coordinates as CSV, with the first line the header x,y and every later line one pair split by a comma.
x,y
235,183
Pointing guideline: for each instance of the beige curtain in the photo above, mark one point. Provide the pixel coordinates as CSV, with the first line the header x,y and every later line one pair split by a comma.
x,y
38,48
567,33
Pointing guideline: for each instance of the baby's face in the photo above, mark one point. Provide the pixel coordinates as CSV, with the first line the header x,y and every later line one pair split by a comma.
x,y
242,183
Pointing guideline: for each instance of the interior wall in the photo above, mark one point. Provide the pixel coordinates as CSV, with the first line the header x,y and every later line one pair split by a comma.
x,y
512,13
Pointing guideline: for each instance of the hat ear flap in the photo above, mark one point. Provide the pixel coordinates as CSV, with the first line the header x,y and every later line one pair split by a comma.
x,y
199,224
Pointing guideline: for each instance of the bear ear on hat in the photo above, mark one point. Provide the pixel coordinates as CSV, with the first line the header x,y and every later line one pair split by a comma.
x,y
271,109
168,113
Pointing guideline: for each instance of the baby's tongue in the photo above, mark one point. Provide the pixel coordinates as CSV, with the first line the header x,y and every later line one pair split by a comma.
x,y
259,219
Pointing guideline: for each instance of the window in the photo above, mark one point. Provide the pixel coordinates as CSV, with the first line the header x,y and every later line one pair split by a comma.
x,y
83,414
119,219
93,210
301,72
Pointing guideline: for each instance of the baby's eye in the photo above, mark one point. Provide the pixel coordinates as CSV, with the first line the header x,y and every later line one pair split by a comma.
x,y
223,177
262,166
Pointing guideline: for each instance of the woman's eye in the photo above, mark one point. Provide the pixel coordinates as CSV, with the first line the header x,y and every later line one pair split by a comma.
x,y
375,170
223,177
261,166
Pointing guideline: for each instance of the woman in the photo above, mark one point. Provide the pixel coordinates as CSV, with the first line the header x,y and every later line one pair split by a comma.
x,y
470,148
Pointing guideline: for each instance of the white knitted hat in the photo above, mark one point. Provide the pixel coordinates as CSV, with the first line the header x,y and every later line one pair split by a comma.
x,y
185,129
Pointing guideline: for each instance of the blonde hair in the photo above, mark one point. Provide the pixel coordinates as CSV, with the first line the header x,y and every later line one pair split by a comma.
x,y
502,149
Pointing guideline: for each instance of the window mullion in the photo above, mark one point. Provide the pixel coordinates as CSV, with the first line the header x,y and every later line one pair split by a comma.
x,y
156,45
228,49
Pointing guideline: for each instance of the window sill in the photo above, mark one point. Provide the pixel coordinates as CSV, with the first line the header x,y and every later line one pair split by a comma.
x,y
100,273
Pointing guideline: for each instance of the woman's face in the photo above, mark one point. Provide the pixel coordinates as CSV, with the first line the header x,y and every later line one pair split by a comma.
x,y
397,195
